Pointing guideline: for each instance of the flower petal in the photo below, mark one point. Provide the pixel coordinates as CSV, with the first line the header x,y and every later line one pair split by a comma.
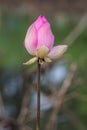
x,y
40,21
45,36
57,52
42,51
31,40
48,60
31,61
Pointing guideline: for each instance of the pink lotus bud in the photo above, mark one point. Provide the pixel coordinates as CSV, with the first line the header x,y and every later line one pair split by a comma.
x,y
39,41
39,34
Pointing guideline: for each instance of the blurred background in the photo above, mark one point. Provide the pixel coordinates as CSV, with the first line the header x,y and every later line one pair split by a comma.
x,y
63,82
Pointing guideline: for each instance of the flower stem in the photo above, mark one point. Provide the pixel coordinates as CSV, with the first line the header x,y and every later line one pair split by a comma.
x,y
38,95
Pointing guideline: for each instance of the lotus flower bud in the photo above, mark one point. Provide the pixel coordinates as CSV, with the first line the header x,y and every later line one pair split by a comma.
x,y
39,42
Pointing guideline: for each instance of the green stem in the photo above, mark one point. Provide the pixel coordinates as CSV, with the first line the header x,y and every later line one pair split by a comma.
x,y
38,95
